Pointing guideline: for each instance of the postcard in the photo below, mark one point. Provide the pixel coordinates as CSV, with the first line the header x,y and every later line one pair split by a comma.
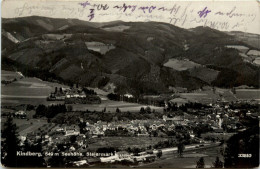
x,y
130,84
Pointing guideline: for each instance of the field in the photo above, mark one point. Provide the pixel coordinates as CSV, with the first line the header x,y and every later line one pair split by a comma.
x,y
248,94
119,28
257,61
254,52
181,65
99,47
34,91
242,49
188,160
111,106
205,74
125,142
225,136
26,126
26,90
8,75
207,95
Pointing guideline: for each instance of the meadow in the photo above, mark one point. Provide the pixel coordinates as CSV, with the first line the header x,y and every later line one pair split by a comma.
x,y
207,95
248,94
26,90
26,126
35,91
181,65
125,142
111,106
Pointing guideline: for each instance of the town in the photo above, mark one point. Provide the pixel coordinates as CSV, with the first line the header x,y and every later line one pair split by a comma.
x,y
144,92
87,138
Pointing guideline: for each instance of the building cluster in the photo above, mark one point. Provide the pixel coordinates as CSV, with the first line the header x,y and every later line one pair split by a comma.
x,y
75,95
216,119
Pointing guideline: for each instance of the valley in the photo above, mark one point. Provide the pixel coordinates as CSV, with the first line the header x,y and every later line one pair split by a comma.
x,y
127,94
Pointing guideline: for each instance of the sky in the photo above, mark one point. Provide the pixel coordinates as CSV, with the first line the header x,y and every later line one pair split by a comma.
x,y
222,15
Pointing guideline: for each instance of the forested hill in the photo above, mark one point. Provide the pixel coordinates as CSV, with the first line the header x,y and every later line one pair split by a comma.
x,y
130,57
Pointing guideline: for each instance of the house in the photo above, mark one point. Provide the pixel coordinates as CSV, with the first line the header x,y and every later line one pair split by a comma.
x,y
144,158
218,130
174,119
71,130
110,159
80,163
219,121
20,114
128,95
167,118
153,127
211,117
119,156
142,134
179,101
98,132
170,127
46,138
124,155
178,120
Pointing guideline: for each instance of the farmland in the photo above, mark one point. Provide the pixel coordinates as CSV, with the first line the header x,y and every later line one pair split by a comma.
x,y
99,47
257,61
35,91
26,90
111,106
241,48
207,95
248,94
119,28
26,126
205,74
181,65
8,75
125,142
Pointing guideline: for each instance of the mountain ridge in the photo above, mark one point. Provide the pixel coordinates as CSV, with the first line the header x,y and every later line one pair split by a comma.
x,y
130,55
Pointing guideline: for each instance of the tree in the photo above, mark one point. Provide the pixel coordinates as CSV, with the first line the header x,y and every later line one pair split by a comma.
x,y
69,107
41,110
73,139
82,126
136,151
159,154
11,143
155,133
142,110
181,148
148,109
246,141
214,89
57,161
217,163
233,90
200,163
32,161
118,110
